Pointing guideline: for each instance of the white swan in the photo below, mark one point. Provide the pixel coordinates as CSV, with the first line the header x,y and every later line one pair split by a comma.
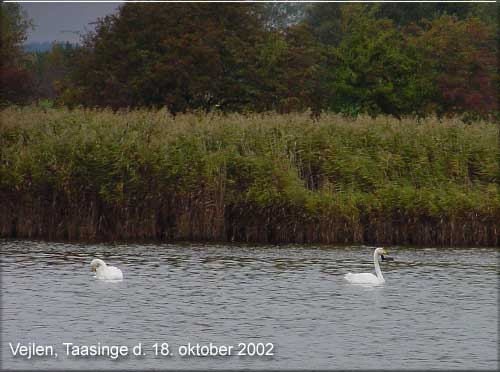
x,y
105,272
369,278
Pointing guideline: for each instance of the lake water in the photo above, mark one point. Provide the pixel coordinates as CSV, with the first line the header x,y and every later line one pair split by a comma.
x,y
438,308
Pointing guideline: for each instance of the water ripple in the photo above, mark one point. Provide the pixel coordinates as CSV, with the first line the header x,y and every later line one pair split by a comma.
x,y
437,310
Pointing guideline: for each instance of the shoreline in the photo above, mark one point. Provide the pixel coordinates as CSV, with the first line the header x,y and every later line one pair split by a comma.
x,y
257,245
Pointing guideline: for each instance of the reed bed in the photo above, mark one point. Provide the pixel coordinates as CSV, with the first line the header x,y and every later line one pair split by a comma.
x,y
140,175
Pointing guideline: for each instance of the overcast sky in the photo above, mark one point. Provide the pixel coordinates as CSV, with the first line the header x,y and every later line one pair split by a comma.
x,y
61,21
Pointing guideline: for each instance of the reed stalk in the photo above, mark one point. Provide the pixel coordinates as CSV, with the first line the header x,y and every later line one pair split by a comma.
x,y
140,175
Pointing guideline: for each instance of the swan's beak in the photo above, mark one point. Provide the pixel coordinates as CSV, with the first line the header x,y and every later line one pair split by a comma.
x,y
93,269
385,252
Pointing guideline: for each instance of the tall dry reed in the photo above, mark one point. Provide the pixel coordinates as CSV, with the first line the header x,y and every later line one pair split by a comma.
x,y
94,175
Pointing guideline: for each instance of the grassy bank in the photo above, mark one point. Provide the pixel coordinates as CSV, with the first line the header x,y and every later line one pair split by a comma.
x,y
91,175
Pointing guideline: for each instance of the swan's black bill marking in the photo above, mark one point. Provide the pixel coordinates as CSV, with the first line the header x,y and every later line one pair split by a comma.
x,y
385,258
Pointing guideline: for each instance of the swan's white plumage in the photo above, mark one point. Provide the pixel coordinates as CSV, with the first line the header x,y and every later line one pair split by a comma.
x,y
362,278
368,278
105,272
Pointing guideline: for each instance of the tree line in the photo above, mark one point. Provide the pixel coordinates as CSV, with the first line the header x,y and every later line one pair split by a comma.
x,y
398,59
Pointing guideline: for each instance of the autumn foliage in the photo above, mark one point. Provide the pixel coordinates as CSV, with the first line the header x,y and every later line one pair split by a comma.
x,y
402,60
463,57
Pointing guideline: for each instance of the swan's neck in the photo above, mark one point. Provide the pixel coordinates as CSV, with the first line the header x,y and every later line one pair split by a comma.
x,y
377,268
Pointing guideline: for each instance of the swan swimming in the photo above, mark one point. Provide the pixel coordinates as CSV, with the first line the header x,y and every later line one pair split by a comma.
x,y
369,278
105,272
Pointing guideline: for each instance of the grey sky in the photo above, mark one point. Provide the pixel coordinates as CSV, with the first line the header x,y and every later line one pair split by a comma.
x,y
59,21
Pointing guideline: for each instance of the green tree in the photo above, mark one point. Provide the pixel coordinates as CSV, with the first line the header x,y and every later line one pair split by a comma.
x,y
287,72
372,70
486,12
16,84
404,14
303,70
51,68
325,21
183,56
15,26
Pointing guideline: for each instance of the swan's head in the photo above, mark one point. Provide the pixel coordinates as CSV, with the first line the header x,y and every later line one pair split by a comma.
x,y
381,251
97,263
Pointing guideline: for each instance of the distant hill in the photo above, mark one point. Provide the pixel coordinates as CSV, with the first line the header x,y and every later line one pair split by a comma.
x,y
37,46
41,46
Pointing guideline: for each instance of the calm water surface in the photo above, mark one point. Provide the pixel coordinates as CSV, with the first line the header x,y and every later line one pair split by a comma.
x,y
438,308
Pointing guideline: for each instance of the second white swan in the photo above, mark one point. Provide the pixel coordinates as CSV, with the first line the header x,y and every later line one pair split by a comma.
x,y
105,272
369,278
